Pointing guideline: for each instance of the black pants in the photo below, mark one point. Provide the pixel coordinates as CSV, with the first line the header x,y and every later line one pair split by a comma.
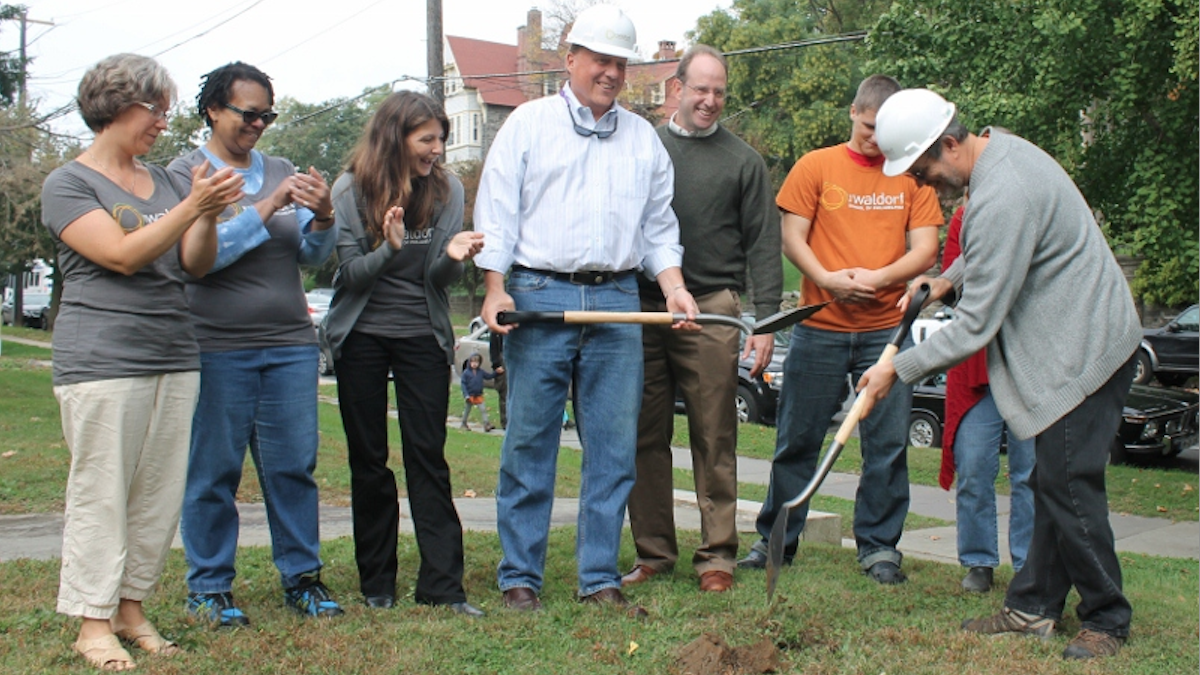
x,y
1072,541
422,382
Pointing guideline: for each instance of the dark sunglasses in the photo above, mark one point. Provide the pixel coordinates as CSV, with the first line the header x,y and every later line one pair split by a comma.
x,y
584,131
248,116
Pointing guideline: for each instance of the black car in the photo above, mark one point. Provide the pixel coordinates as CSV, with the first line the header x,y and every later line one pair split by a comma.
x,y
1171,353
34,308
1156,422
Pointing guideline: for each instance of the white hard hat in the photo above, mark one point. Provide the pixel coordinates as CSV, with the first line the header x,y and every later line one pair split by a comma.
x,y
907,123
605,29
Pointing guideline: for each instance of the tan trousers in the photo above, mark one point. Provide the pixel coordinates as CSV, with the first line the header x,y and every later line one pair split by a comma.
x,y
704,367
129,449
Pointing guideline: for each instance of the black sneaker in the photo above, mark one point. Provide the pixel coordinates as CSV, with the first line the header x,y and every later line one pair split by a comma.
x,y
217,609
311,598
756,559
978,580
886,573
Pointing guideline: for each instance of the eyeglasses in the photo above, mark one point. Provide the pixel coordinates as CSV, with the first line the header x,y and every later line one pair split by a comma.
x,y
159,113
249,116
717,92
584,131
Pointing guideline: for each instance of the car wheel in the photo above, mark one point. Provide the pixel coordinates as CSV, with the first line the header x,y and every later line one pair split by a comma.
x,y
1117,454
747,405
1144,371
1172,379
323,365
924,431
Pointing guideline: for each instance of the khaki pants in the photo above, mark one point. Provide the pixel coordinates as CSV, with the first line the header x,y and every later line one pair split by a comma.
x,y
129,448
704,367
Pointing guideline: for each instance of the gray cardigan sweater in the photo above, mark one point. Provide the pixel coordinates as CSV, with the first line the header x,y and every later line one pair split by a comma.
x,y
1037,286
359,266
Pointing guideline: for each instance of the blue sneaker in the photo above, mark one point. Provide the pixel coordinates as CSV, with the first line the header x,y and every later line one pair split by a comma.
x,y
311,598
217,609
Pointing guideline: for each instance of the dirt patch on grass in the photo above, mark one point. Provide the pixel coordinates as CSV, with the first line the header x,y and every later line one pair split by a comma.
x,y
710,655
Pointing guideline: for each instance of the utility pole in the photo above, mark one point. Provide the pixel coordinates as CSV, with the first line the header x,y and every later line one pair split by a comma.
x,y
433,38
25,20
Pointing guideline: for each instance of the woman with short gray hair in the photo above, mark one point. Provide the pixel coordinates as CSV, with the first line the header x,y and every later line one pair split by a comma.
x,y
126,364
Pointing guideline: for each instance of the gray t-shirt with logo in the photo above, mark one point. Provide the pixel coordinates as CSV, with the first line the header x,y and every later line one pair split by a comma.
x,y
258,301
111,325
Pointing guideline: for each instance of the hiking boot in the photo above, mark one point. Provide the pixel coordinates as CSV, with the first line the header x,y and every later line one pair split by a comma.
x,y
978,580
311,598
886,572
1012,621
1092,643
217,609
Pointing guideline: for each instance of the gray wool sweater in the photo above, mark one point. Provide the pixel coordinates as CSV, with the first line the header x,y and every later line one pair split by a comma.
x,y
1037,286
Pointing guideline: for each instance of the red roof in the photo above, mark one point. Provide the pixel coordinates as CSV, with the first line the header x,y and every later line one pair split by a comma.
x,y
480,57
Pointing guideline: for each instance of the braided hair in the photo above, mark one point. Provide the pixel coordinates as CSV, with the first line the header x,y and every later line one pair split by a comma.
x,y
215,86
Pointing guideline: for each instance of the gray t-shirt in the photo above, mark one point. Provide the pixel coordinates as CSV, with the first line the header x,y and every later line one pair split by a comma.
x,y
397,307
111,325
258,301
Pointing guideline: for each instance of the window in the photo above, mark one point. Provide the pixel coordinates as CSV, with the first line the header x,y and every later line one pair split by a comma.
x,y
475,127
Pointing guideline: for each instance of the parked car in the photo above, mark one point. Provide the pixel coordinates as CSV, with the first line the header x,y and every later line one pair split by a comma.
x,y
1156,422
1171,353
325,356
318,303
34,307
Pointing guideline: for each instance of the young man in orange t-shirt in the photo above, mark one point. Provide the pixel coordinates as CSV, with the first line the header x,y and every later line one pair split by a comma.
x,y
858,236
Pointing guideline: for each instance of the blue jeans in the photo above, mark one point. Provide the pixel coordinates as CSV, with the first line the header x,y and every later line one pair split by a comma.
x,y
814,387
604,364
265,399
977,463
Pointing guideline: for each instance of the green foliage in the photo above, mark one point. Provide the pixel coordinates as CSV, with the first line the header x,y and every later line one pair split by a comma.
x,y
12,69
1108,88
787,102
320,134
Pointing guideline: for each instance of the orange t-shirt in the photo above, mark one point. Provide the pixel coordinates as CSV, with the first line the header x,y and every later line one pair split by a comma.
x,y
859,219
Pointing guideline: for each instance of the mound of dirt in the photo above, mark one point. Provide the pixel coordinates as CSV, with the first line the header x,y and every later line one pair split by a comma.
x,y
710,655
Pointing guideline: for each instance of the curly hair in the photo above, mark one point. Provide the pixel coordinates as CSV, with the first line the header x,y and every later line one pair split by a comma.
x,y
382,167
119,82
215,86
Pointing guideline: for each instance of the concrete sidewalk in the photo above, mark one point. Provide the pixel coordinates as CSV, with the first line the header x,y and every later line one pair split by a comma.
x,y
40,535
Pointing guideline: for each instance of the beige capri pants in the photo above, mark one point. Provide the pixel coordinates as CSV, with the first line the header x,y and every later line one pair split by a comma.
x,y
129,441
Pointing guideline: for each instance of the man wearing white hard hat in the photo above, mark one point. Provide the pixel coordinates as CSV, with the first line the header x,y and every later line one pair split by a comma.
x,y
1037,286
574,202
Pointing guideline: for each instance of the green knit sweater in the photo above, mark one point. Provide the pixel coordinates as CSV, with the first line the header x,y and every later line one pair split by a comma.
x,y
727,218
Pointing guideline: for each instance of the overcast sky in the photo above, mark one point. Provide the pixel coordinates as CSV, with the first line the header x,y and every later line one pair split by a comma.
x,y
313,51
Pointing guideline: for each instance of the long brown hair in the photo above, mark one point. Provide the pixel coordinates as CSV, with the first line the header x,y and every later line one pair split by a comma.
x,y
382,166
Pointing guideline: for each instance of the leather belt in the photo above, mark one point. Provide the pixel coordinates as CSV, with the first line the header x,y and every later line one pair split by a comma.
x,y
585,278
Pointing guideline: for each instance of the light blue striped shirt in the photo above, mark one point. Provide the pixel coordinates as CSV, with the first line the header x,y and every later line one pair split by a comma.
x,y
552,199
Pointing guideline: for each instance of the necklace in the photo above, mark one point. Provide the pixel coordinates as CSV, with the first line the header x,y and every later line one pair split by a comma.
x,y
112,174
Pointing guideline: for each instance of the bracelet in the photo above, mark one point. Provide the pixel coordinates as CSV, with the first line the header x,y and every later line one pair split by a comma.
x,y
324,219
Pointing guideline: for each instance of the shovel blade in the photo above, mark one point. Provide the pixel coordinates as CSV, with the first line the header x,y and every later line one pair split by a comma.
x,y
780,320
775,550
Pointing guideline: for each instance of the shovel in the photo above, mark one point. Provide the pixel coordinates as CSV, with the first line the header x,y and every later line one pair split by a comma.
x,y
779,529
771,324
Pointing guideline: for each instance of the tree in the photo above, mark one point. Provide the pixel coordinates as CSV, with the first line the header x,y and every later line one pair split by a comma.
x,y
786,102
1108,88
12,68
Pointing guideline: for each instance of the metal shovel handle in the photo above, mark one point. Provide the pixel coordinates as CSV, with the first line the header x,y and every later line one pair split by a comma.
x,y
646,318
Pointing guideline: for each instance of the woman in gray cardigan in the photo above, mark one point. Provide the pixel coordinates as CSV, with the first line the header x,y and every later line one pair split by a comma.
x,y
400,245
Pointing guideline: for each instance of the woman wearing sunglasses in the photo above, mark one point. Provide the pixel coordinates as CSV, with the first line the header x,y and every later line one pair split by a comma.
x,y
125,358
258,357
399,247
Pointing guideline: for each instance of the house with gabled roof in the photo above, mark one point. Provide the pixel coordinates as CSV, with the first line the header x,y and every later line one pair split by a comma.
x,y
485,81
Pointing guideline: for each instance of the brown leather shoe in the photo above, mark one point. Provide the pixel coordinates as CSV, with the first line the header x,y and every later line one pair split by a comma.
x,y
614,596
637,575
522,599
716,581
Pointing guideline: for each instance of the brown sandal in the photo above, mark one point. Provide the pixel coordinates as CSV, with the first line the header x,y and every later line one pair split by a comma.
x,y
105,653
146,638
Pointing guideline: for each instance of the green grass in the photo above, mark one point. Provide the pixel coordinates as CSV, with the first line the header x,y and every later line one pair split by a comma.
x,y
827,618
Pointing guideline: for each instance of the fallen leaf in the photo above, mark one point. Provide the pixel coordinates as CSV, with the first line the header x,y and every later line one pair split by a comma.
x,y
1162,509
8,454
35,419
1158,485
633,647
1187,488
934,537
1133,480
470,494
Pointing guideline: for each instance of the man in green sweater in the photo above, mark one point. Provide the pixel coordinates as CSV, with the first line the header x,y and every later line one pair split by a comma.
x,y
1038,287
727,223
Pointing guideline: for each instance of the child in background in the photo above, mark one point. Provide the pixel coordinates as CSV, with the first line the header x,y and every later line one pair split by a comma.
x,y
473,376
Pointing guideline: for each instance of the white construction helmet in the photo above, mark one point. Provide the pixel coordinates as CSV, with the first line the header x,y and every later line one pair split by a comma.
x,y
605,29
907,123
